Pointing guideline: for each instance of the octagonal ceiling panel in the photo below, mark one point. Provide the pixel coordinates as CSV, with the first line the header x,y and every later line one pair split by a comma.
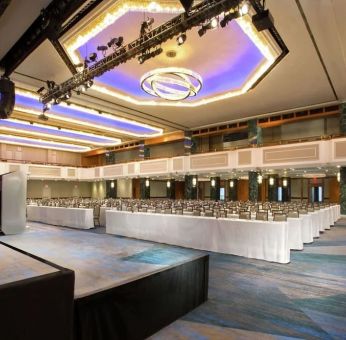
x,y
229,60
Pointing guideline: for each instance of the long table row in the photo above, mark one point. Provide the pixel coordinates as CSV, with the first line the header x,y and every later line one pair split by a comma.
x,y
266,240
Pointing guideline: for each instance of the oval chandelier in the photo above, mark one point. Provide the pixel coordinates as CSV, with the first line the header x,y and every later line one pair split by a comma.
x,y
171,83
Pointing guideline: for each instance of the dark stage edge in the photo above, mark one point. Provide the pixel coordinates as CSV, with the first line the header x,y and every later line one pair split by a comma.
x,y
131,309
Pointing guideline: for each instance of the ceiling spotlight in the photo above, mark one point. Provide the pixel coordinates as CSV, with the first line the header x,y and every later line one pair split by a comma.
x,y
41,89
48,106
201,31
155,53
57,101
228,17
146,26
89,83
43,117
115,42
103,49
50,84
244,8
68,95
93,57
181,39
213,23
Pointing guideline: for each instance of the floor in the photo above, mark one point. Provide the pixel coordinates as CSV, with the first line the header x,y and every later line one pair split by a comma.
x,y
253,299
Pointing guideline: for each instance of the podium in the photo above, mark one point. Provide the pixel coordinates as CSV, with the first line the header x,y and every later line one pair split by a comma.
x,y
13,202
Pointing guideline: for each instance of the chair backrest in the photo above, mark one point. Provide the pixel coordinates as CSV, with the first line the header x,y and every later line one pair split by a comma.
x,y
280,217
96,211
302,211
245,215
262,215
178,211
168,211
311,209
129,209
208,213
196,213
142,210
293,214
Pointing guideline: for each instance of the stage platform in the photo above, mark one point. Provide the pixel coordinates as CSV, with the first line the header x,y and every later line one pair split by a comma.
x,y
124,288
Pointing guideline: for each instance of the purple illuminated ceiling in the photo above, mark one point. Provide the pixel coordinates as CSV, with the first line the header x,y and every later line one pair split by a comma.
x,y
224,57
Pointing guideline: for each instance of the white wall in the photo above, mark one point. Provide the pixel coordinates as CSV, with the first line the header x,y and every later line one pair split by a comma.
x,y
56,189
124,188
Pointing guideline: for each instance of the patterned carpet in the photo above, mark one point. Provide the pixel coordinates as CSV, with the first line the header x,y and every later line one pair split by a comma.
x,y
252,299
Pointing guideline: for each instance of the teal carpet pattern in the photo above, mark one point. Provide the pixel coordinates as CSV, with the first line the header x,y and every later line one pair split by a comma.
x,y
253,299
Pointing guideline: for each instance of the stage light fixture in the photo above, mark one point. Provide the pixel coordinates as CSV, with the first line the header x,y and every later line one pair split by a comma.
x,y
181,39
228,17
187,4
115,42
50,84
93,57
146,26
263,20
211,24
40,90
103,49
68,95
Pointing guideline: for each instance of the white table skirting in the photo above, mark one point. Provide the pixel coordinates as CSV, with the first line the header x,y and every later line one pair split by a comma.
x,y
80,218
254,239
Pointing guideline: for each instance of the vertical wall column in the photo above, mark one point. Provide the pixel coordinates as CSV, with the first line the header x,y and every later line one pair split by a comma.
x,y
191,185
273,183
253,186
233,190
255,132
215,188
143,151
286,189
343,119
170,185
187,143
343,190
111,189
144,188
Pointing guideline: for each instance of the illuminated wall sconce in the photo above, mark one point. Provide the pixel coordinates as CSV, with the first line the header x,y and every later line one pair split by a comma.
x,y
147,183
271,180
112,184
231,184
259,179
338,176
194,181
284,182
213,183
168,184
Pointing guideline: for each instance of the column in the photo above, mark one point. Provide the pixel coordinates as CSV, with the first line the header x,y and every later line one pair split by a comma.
x,y
343,118
255,132
286,189
144,188
253,186
273,184
191,183
187,143
343,190
215,188
143,151
111,189
233,189
170,185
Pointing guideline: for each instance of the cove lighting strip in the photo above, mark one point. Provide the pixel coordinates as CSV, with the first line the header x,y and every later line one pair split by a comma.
x,y
35,129
28,102
39,143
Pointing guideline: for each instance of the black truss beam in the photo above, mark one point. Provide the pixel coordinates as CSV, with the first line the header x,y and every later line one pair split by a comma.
x,y
47,25
3,5
181,23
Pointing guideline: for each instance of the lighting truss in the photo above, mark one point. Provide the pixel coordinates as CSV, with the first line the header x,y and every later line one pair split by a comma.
x,y
206,10
198,15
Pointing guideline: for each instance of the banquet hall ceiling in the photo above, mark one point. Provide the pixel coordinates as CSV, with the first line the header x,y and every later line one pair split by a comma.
x,y
313,73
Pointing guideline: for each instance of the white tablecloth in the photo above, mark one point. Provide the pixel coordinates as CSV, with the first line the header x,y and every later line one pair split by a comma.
x,y
253,239
67,217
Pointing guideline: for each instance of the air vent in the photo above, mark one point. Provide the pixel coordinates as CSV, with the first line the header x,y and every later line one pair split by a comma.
x,y
301,113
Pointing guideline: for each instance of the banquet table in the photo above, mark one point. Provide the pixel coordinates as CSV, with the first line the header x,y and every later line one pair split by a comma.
x,y
254,239
80,218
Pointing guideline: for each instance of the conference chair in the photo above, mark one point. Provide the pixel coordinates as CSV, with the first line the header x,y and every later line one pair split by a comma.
x,y
280,217
293,214
262,215
245,215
